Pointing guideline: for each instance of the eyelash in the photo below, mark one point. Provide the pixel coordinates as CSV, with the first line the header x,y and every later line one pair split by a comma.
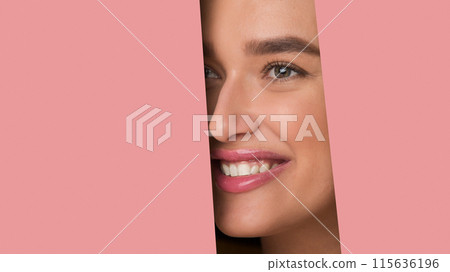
x,y
280,64
276,64
206,67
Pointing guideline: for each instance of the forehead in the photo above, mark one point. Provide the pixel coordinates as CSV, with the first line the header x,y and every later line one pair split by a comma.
x,y
235,21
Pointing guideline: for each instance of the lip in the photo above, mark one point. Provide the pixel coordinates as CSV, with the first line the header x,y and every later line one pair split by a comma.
x,y
245,155
240,184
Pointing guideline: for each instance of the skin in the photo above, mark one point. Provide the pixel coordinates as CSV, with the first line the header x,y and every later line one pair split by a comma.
x,y
236,36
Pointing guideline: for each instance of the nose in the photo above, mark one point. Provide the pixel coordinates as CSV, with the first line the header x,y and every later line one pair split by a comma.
x,y
233,102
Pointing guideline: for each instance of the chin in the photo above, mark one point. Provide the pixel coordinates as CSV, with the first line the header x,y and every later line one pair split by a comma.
x,y
246,225
242,230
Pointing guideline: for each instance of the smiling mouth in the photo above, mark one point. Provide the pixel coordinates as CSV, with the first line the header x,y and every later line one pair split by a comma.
x,y
247,168
238,171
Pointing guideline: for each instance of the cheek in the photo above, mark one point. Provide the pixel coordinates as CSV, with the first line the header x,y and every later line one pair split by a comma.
x,y
311,179
310,127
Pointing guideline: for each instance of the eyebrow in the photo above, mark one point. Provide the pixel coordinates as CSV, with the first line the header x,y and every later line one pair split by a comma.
x,y
271,46
281,45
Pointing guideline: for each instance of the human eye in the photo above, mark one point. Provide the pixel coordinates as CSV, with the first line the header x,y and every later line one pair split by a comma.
x,y
283,71
210,73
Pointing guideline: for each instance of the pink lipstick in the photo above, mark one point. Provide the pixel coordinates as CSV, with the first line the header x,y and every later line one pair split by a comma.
x,y
242,170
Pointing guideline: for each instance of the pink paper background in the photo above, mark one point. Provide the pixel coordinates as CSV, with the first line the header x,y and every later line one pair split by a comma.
x,y
70,74
387,90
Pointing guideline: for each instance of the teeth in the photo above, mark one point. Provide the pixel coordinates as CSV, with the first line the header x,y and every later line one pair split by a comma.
x,y
245,168
233,170
225,169
254,170
264,167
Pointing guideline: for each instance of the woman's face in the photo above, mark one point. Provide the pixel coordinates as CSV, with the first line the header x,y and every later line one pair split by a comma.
x,y
246,45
